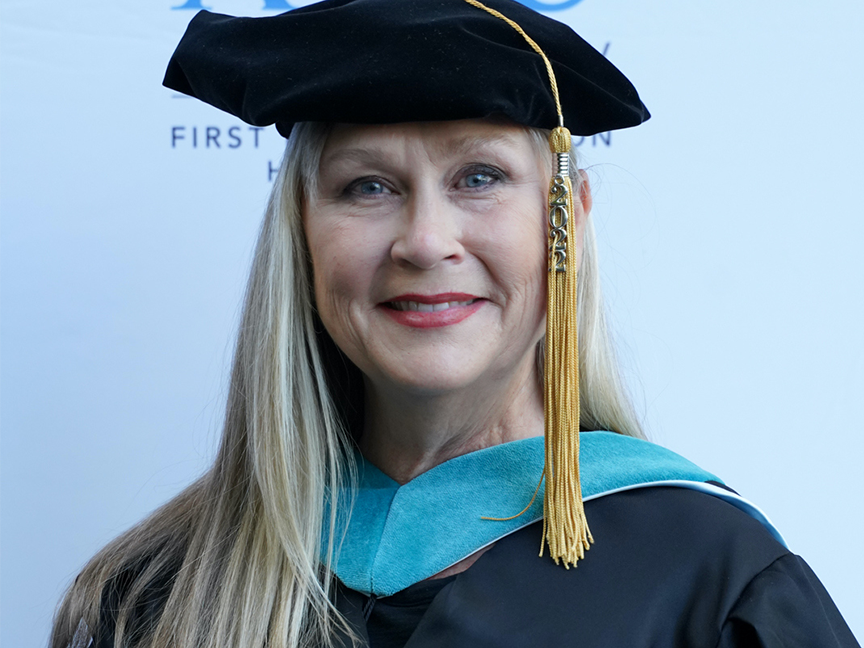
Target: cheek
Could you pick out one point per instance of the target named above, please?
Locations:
(515, 253)
(522, 247)
(334, 264)
(532, 277)
(344, 263)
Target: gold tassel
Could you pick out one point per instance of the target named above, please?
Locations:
(565, 528)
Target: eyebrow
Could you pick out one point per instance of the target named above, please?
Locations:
(455, 146)
(468, 143)
(358, 154)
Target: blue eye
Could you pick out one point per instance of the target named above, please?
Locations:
(480, 176)
(367, 188)
(478, 180)
(370, 188)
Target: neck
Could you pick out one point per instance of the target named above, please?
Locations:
(406, 433)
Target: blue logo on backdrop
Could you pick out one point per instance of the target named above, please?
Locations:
(278, 5)
(539, 5)
(285, 5)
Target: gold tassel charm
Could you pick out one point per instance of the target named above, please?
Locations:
(565, 528)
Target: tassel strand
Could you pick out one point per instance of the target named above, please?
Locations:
(565, 528)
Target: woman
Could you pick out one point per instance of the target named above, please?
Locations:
(411, 286)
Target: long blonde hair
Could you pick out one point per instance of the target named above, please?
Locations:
(235, 559)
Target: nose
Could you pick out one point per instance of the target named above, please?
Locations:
(429, 232)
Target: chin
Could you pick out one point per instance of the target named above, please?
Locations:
(434, 378)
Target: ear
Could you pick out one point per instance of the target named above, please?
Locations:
(581, 209)
(585, 193)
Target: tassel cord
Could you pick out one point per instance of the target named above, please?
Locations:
(565, 528)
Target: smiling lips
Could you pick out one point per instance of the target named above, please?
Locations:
(429, 311)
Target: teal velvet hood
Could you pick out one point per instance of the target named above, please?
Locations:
(395, 536)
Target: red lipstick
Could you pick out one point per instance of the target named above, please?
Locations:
(431, 311)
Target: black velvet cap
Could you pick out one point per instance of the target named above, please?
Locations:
(388, 61)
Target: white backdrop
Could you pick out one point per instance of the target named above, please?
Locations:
(730, 226)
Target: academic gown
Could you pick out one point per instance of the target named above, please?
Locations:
(678, 560)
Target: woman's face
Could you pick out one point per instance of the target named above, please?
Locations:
(428, 244)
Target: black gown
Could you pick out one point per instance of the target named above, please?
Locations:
(675, 568)
(678, 560)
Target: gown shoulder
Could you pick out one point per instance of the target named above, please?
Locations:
(669, 567)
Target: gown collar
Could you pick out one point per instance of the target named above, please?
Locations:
(398, 535)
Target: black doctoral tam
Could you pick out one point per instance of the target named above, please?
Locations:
(389, 61)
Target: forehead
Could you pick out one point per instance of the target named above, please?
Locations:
(366, 142)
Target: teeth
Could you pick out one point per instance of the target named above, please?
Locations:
(427, 308)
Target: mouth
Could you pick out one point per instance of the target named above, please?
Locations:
(429, 311)
(422, 307)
